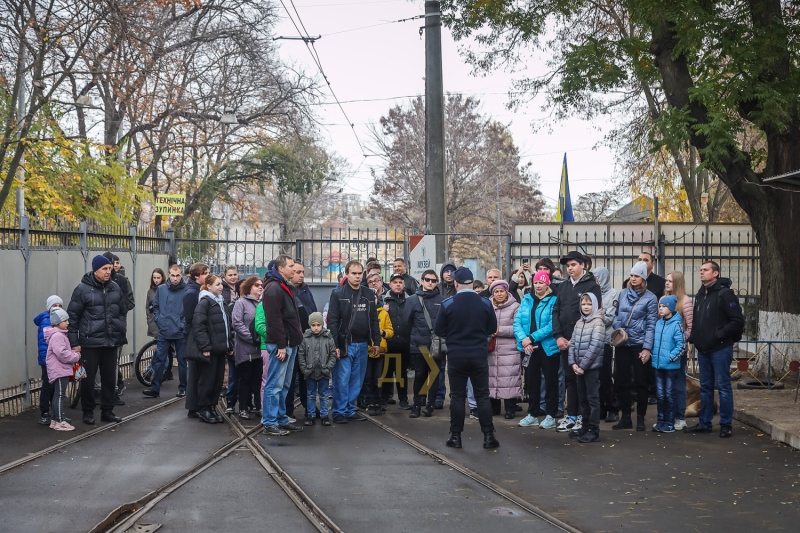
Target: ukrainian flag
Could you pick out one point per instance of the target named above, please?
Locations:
(564, 212)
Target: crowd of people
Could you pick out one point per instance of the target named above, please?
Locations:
(573, 348)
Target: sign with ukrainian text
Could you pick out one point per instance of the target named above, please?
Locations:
(422, 254)
(171, 205)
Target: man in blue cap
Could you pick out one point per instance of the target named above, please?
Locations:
(467, 321)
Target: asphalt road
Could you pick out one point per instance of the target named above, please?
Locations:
(631, 480)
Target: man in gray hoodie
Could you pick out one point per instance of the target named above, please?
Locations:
(608, 406)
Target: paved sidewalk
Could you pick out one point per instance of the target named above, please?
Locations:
(774, 412)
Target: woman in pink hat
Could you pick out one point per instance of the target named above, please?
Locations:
(505, 364)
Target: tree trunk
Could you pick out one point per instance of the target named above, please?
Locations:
(774, 213)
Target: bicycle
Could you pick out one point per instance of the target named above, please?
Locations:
(142, 366)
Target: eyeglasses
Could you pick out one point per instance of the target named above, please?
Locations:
(259, 284)
(429, 280)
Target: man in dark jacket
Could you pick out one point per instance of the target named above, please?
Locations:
(96, 330)
(198, 272)
(420, 338)
(230, 293)
(655, 283)
(305, 307)
(353, 322)
(718, 324)
(284, 335)
(467, 321)
(566, 312)
(168, 313)
(398, 345)
(446, 286)
(411, 284)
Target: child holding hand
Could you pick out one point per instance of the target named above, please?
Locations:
(669, 343)
(60, 360)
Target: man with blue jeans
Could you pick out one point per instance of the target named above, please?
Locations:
(353, 323)
(718, 324)
(284, 335)
(168, 313)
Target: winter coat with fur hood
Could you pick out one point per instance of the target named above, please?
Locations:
(505, 364)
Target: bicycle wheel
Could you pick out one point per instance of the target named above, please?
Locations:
(144, 370)
(74, 393)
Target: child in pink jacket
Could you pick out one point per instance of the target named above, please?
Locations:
(60, 359)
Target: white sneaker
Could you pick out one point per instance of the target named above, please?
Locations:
(680, 424)
(565, 424)
(529, 421)
(578, 424)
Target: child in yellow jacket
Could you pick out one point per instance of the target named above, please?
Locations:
(372, 388)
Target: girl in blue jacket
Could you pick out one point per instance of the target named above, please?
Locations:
(668, 345)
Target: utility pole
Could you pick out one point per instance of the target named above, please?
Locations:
(436, 216)
(21, 104)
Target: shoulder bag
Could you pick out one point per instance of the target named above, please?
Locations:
(620, 336)
(438, 345)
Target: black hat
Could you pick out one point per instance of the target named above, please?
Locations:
(574, 255)
(396, 276)
(463, 276)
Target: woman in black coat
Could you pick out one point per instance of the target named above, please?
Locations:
(213, 333)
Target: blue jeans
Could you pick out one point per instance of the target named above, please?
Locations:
(441, 392)
(232, 392)
(348, 378)
(561, 391)
(715, 368)
(279, 375)
(666, 392)
(314, 388)
(161, 358)
(680, 392)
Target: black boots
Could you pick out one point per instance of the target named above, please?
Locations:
(591, 435)
(428, 411)
(414, 411)
(489, 441)
(640, 423)
(454, 441)
(624, 422)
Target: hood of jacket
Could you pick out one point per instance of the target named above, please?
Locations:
(273, 273)
(122, 271)
(89, 279)
(595, 306)
(505, 304)
(211, 295)
(603, 277)
(38, 319)
(445, 266)
(50, 331)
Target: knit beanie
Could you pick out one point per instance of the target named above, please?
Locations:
(503, 284)
(99, 262)
(640, 269)
(57, 316)
(670, 301)
(315, 317)
(543, 276)
(53, 300)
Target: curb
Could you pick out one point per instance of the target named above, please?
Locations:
(775, 432)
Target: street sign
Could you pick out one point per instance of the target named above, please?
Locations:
(422, 254)
(170, 204)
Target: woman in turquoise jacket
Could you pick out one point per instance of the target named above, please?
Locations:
(533, 328)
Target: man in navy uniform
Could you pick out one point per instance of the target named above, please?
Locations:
(466, 320)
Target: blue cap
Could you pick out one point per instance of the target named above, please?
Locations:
(669, 301)
(463, 276)
(99, 262)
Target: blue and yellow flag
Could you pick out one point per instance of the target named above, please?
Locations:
(564, 212)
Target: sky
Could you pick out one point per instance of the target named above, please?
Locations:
(366, 58)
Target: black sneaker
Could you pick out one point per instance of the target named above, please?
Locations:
(118, 401)
(356, 417)
(244, 415)
(725, 432)
(404, 405)
(150, 393)
(391, 401)
(339, 419)
(292, 428)
(326, 422)
(473, 413)
(45, 420)
(181, 394)
(439, 404)
(276, 431)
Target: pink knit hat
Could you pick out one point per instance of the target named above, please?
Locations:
(542, 276)
(498, 283)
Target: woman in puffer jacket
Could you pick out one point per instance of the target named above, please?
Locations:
(505, 364)
(637, 313)
(214, 337)
(586, 358)
(247, 349)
